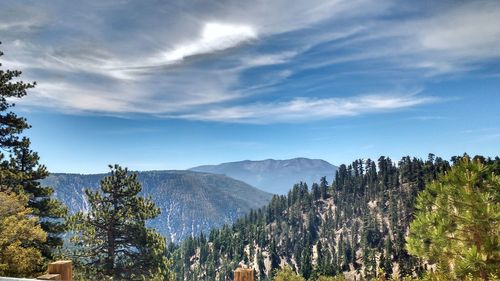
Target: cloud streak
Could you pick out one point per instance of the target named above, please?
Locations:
(214, 37)
(310, 109)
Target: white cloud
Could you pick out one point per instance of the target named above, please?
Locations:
(453, 38)
(309, 109)
(268, 59)
(214, 37)
(130, 97)
(92, 58)
(471, 30)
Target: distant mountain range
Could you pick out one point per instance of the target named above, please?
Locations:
(203, 197)
(190, 202)
(274, 176)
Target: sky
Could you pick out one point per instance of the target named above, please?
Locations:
(156, 85)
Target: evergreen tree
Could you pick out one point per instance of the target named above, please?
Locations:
(457, 221)
(306, 263)
(316, 192)
(386, 259)
(275, 259)
(20, 170)
(321, 260)
(261, 265)
(323, 187)
(49, 209)
(112, 238)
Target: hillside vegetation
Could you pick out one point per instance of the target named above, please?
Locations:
(356, 227)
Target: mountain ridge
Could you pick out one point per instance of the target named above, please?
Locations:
(190, 202)
(272, 175)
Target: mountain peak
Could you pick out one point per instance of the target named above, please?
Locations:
(271, 175)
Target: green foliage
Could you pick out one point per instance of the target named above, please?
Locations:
(20, 170)
(287, 274)
(112, 240)
(41, 200)
(19, 231)
(457, 223)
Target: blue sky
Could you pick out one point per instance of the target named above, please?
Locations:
(175, 84)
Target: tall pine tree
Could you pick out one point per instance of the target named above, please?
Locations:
(20, 170)
(112, 238)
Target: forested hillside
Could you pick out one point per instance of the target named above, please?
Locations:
(357, 226)
(190, 202)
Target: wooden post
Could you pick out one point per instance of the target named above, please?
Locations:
(64, 268)
(243, 274)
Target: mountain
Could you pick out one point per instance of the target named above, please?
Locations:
(356, 228)
(274, 176)
(190, 202)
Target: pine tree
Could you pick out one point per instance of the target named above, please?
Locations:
(306, 263)
(321, 260)
(316, 192)
(112, 238)
(261, 265)
(323, 187)
(457, 221)
(386, 259)
(41, 201)
(20, 170)
(275, 259)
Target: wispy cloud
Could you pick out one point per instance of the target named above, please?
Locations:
(451, 38)
(469, 31)
(31, 20)
(308, 109)
(483, 134)
(130, 98)
(429, 118)
(267, 59)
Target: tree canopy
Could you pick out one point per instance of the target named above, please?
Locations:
(287, 274)
(19, 231)
(457, 221)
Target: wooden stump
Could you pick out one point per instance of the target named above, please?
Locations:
(64, 268)
(243, 274)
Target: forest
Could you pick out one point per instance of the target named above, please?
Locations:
(412, 219)
(362, 226)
